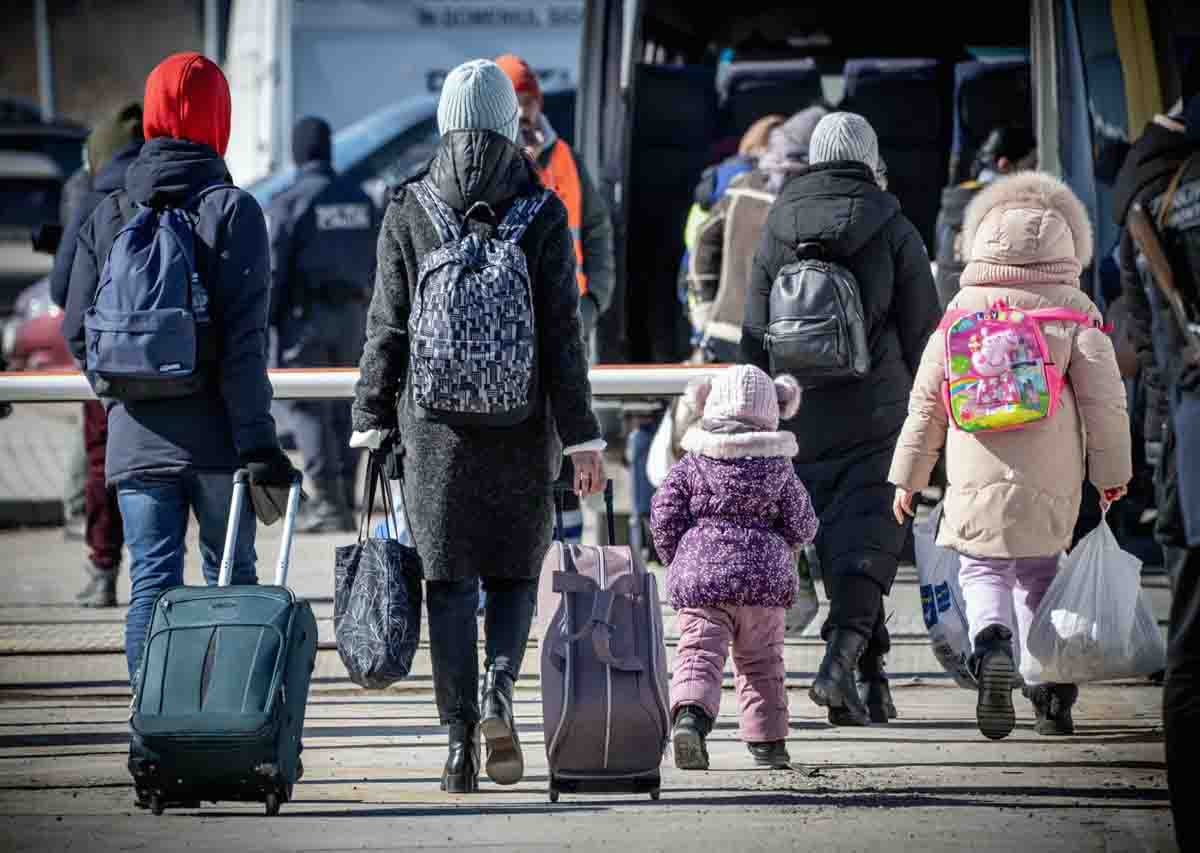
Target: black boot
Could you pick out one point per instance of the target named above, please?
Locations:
(505, 764)
(992, 666)
(461, 775)
(691, 727)
(773, 754)
(326, 510)
(873, 689)
(101, 587)
(1052, 704)
(834, 686)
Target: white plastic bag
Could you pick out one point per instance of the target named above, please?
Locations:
(942, 600)
(1094, 622)
(399, 523)
(659, 459)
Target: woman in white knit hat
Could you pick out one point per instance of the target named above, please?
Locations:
(479, 496)
(846, 433)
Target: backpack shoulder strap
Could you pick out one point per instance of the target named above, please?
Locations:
(445, 221)
(1168, 198)
(519, 217)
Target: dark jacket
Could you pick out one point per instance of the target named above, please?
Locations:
(1153, 161)
(108, 179)
(1147, 171)
(479, 498)
(861, 226)
(231, 418)
(323, 233)
(599, 261)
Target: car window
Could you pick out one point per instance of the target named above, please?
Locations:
(402, 157)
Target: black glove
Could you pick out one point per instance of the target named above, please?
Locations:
(271, 478)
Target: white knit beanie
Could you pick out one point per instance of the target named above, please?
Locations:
(844, 136)
(478, 95)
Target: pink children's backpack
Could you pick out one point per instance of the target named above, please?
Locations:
(999, 371)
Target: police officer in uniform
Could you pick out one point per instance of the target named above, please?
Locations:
(323, 233)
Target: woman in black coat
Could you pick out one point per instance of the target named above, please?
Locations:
(479, 497)
(847, 432)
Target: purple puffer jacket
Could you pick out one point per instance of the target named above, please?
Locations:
(727, 528)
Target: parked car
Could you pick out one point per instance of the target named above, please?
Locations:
(36, 158)
(395, 142)
(32, 337)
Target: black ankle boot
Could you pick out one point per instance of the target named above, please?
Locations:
(505, 763)
(461, 775)
(692, 725)
(992, 666)
(834, 686)
(873, 689)
(773, 754)
(1052, 704)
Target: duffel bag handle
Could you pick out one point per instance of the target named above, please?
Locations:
(599, 624)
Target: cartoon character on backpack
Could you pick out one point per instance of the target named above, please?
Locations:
(999, 373)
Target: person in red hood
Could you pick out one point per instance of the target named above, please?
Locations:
(169, 458)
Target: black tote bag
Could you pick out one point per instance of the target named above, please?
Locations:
(377, 595)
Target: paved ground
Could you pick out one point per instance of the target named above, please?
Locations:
(926, 782)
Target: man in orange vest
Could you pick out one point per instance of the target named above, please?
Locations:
(562, 171)
(588, 219)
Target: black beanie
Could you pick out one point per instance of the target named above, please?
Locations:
(311, 141)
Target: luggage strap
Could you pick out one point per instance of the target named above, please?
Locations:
(599, 624)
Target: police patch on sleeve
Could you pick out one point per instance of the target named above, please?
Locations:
(342, 217)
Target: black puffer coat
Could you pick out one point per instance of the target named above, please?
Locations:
(847, 433)
(479, 497)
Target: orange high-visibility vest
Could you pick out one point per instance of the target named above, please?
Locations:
(562, 175)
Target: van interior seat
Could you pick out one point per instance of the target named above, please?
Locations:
(907, 102)
(987, 95)
(675, 120)
(751, 90)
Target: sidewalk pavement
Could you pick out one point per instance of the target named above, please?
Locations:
(927, 781)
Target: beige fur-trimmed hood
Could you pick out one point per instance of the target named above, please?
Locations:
(1026, 227)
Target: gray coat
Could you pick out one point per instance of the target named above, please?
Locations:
(479, 497)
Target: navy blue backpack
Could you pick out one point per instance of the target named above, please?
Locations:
(148, 330)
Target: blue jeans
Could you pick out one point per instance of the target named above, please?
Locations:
(155, 513)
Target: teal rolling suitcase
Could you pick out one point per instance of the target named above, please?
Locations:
(219, 699)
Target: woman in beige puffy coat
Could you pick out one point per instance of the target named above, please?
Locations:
(1013, 497)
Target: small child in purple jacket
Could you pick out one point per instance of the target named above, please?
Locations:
(727, 521)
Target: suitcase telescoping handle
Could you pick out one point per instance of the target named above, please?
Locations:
(561, 489)
(241, 482)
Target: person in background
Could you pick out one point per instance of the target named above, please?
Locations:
(714, 181)
(323, 232)
(479, 497)
(174, 457)
(719, 272)
(1007, 149)
(562, 170)
(1013, 497)
(112, 146)
(1162, 173)
(847, 432)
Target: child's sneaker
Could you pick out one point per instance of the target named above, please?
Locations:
(992, 665)
(771, 754)
(692, 725)
(1052, 704)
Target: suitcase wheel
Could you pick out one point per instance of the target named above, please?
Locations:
(554, 796)
(273, 804)
(156, 805)
(655, 795)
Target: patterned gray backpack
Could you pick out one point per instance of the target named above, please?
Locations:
(473, 341)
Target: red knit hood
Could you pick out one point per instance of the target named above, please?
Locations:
(187, 97)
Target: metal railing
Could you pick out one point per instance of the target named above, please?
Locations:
(613, 381)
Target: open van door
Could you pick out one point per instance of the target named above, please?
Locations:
(601, 134)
